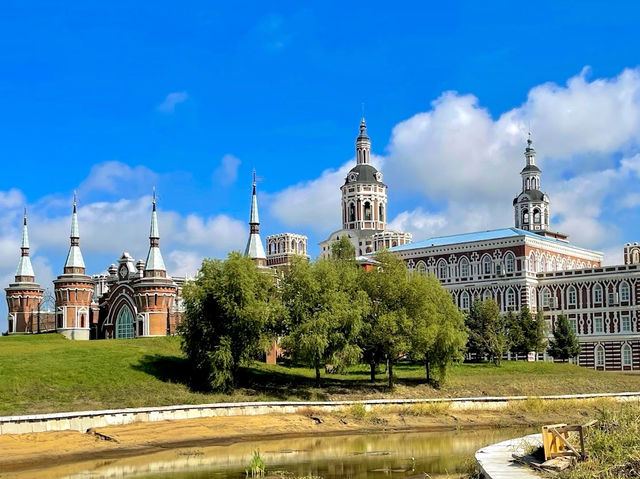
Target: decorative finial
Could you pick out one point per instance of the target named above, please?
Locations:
(75, 200)
(153, 198)
(254, 177)
(25, 215)
(363, 112)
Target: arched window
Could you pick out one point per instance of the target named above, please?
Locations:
(624, 291)
(422, 268)
(528, 186)
(442, 269)
(572, 297)
(464, 268)
(597, 294)
(352, 212)
(599, 356)
(82, 321)
(532, 263)
(511, 299)
(487, 295)
(554, 265)
(536, 216)
(509, 262)
(542, 263)
(635, 256)
(381, 213)
(124, 323)
(464, 300)
(546, 298)
(486, 264)
(525, 217)
(367, 211)
(625, 352)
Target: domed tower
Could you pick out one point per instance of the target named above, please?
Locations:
(155, 293)
(255, 249)
(531, 205)
(364, 196)
(24, 295)
(74, 289)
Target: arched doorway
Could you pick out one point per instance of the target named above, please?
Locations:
(124, 323)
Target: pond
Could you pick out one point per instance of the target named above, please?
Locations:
(397, 455)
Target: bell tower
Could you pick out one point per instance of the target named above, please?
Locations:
(531, 206)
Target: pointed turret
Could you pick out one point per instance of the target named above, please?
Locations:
(75, 261)
(363, 145)
(154, 265)
(254, 249)
(531, 205)
(24, 273)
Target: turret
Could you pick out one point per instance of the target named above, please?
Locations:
(255, 249)
(531, 206)
(154, 266)
(24, 296)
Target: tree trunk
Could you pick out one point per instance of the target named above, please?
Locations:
(390, 372)
(372, 365)
(428, 369)
(317, 375)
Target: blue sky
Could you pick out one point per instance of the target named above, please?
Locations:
(190, 96)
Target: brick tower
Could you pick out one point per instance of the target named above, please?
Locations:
(74, 289)
(154, 292)
(24, 295)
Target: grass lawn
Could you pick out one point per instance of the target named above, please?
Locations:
(48, 373)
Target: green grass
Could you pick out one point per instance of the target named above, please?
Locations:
(48, 373)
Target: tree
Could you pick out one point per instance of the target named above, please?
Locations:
(230, 311)
(521, 331)
(343, 249)
(325, 311)
(539, 339)
(438, 335)
(487, 330)
(564, 344)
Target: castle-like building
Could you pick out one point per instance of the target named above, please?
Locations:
(531, 265)
(364, 206)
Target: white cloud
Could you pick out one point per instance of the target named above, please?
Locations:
(171, 100)
(227, 173)
(115, 177)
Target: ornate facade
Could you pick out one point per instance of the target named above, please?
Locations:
(533, 266)
(364, 206)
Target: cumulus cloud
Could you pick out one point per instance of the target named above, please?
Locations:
(115, 177)
(171, 100)
(227, 173)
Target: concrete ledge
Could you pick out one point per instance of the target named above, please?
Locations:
(495, 462)
(83, 420)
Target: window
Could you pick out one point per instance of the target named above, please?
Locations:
(464, 268)
(571, 296)
(124, 323)
(626, 355)
(542, 267)
(352, 212)
(464, 300)
(509, 263)
(597, 325)
(636, 256)
(536, 216)
(422, 268)
(487, 295)
(525, 217)
(511, 299)
(599, 356)
(546, 298)
(625, 322)
(367, 211)
(486, 265)
(442, 269)
(624, 291)
(381, 213)
(574, 324)
(597, 294)
(532, 263)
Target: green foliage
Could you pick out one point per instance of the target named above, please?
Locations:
(539, 341)
(230, 313)
(487, 330)
(343, 249)
(564, 344)
(257, 466)
(325, 313)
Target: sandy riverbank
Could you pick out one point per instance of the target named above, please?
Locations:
(23, 453)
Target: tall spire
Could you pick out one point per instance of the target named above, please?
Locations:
(75, 262)
(254, 249)
(24, 273)
(530, 152)
(155, 264)
(363, 144)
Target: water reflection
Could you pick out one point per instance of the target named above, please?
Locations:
(397, 455)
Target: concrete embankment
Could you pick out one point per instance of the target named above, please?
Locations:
(84, 420)
(495, 461)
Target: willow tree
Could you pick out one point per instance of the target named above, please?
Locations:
(325, 309)
(230, 309)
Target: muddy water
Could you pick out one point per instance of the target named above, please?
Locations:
(396, 455)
